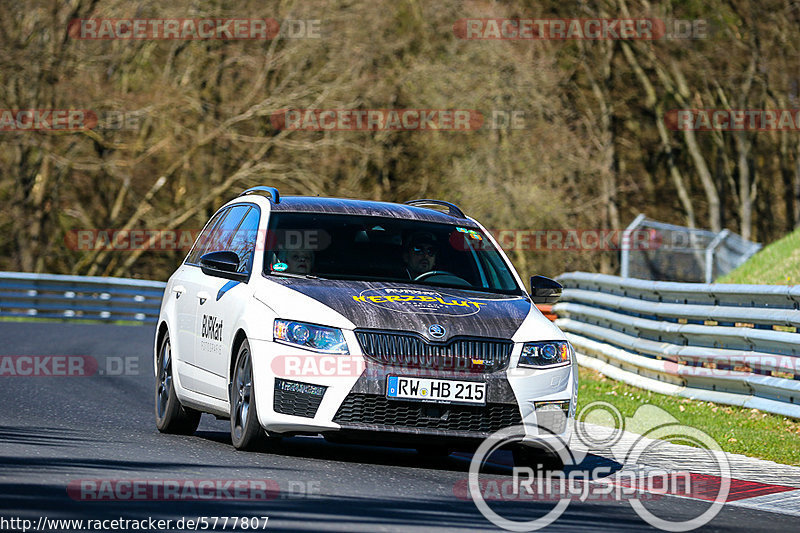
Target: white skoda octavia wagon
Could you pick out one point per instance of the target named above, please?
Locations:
(400, 324)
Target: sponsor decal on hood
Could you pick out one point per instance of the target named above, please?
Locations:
(416, 301)
(400, 307)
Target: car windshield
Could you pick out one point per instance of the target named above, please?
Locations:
(369, 248)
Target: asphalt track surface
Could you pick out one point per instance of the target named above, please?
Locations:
(58, 430)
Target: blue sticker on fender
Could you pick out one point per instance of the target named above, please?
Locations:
(225, 288)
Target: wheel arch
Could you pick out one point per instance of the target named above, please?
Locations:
(238, 339)
(161, 332)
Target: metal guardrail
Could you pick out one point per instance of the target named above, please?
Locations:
(731, 344)
(24, 295)
(90, 298)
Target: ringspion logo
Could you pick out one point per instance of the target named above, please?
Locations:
(545, 486)
(592, 481)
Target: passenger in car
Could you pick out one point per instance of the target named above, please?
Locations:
(300, 261)
(292, 261)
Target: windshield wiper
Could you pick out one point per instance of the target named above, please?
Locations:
(293, 275)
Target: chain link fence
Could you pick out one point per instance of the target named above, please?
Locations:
(678, 253)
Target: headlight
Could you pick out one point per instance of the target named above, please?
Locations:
(309, 336)
(545, 354)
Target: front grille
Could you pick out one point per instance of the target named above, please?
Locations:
(412, 351)
(296, 398)
(379, 413)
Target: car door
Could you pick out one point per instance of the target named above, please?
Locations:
(222, 301)
(186, 284)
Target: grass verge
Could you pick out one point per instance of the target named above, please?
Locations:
(737, 430)
(776, 264)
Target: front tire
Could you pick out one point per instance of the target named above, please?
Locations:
(171, 416)
(246, 431)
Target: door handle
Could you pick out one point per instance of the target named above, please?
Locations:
(178, 290)
(203, 296)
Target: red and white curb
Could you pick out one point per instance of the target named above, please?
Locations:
(754, 483)
(783, 499)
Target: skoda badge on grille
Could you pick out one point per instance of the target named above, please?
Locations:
(437, 331)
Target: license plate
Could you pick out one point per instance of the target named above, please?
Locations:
(436, 390)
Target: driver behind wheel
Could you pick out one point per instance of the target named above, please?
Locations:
(419, 253)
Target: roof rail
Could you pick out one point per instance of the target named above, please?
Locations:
(452, 209)
(261, 189)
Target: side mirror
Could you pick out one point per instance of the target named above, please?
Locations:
(545, 290)
(223, 264)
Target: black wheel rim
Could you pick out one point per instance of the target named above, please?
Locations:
(243, 385)
(164, 379)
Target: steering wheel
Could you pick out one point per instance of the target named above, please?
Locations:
(426, 275)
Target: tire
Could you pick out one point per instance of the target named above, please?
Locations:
(171, 416)
(246, 431)
(537, 459)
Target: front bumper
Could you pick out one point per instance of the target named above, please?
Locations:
(352, 404)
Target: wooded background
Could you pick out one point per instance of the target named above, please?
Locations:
(595, 151)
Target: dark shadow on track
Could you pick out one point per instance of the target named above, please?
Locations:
(40, 436)
(317, 512)
(318, 448)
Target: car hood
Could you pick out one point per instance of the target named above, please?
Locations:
(415, 308)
